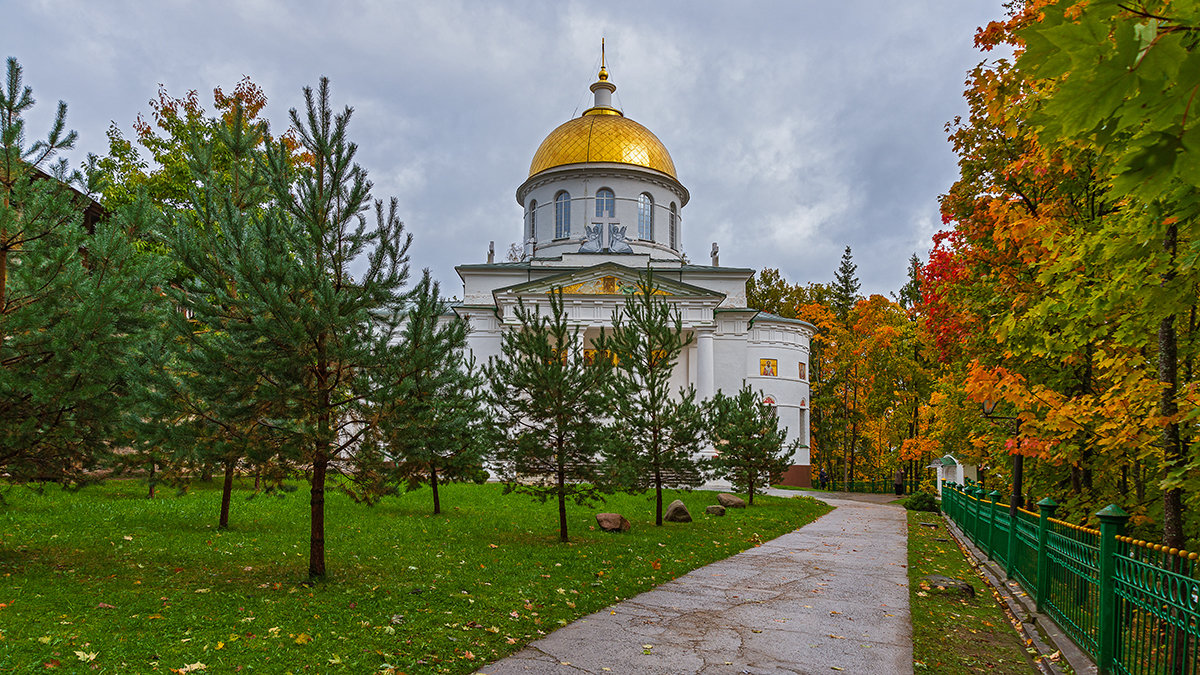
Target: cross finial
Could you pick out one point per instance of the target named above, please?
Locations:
(603, 62)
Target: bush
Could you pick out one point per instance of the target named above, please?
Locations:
(921, 501)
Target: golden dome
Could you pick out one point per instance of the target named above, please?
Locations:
(602, 135)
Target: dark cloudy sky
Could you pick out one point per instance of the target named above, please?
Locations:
(799, 127)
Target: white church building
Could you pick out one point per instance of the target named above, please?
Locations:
(601, 203)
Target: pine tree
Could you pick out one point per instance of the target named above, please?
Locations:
(433, 431)
(311, 338)
(210, 415)
(549, 406)
(750, 446)
(74, 306)
(845, 286)
(660, 431)
(910, 293)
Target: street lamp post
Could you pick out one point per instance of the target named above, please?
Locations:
(1018, 497)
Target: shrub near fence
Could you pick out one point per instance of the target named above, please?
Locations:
(1133, 606)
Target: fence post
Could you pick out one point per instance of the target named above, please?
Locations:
(972, 513)
(1045, 513)
(978, 491)
(993, 497)
(1112, 525)
(986, 504)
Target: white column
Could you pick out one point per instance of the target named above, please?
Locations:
(704, 365)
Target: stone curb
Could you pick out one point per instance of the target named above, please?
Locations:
(1047, 637)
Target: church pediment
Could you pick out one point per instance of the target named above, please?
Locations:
(606, 279)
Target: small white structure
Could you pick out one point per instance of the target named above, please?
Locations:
(602, 203)
(951, 470)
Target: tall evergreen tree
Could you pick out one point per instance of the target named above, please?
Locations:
(750, 446)
(845, 286)
(550, 406)
(660, 431)
(312, 337)
(74, 306)
(910, 292)
(433, 431)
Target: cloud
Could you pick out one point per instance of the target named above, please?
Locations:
(799, 128)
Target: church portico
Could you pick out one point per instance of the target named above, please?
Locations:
(602, 205)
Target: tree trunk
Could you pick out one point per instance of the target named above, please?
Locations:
(562, 496)
(1139, 486)
(226, 494)
(853, 444)
(1172, 449)
(1168, 375)
(658, 496)
(316, 541)
(854, 428)
(151, 491)
(433, 483)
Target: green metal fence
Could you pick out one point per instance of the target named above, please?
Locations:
(1133, 606)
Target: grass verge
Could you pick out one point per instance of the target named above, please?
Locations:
(952, 634)
(105, 580)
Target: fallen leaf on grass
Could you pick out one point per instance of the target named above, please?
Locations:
(87, 657)
(192, 667)
(105, 605)
(45, 639)
(303, 639)
(51, 664)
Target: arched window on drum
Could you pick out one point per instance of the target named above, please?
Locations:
(673, 227)
(562, 215)
(606, 203)
(645, 217)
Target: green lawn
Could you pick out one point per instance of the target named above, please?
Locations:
(952, 635)
(104, 580)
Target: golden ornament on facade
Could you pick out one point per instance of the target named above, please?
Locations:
(602, 135)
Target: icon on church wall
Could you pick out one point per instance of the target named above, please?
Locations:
(769, 400)
(609, 285)
(768, 367)
(590, 355)
(803, 370)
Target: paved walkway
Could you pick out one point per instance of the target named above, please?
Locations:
(831, 596)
